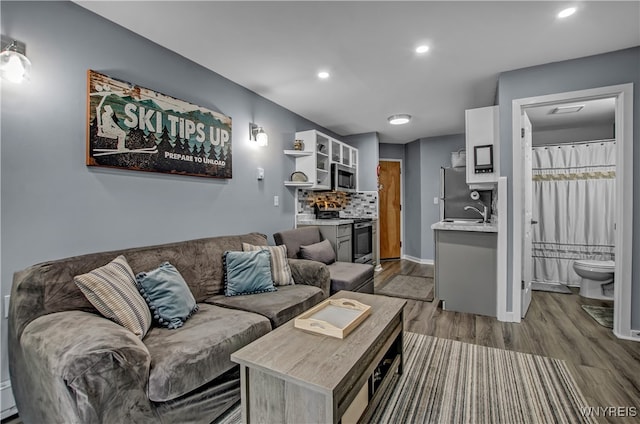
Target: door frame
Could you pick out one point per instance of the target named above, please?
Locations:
(623, 94)
(401, 205)
(527, 211)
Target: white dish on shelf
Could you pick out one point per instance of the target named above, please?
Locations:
(299, 177)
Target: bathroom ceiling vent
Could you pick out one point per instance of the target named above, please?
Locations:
(567, 109)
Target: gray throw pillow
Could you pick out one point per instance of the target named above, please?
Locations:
(168, 295)
(321, 252)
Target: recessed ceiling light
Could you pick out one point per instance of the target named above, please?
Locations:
(323, 74)
(567, 12)
(400, 119)
(422, 49)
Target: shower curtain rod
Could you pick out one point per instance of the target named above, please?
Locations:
(604, 140)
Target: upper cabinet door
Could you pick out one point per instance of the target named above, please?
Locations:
(346, 155)
(336, 151)
(482, 143)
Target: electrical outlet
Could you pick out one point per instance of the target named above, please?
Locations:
(276, 201)
(436, 200)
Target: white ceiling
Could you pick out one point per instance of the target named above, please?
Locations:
(276, 49)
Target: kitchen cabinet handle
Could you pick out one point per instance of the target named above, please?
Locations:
(533, 222)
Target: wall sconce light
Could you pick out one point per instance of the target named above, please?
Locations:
(258, 135)
(14, 65)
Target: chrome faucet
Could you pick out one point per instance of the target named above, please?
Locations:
(484, 213)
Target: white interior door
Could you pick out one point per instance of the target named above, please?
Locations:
(527, 214)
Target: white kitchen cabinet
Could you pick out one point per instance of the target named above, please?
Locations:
(320, 151)
(346, 155)
(315, 162)
(482, 131)
(343, 154)
(336, 151)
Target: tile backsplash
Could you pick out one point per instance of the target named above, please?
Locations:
(362, 204)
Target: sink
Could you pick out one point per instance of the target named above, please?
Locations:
(462, 221)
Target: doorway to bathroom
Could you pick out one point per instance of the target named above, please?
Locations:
(573, 195)
(524, 221)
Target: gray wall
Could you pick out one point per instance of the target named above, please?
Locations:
(569, 135)
(367, 145)
(53, 206)
(391, 151)
(607, 69)
(435, 153)
(412, 240)
(423, 160)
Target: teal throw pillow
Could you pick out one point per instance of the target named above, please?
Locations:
(168, 295)
(247, 272)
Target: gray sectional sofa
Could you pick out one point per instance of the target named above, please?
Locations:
(69, 364)
(344, 275)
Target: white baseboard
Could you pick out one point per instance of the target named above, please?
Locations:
(507, 317)
(418, 260)
(630, 336)
(7, 401)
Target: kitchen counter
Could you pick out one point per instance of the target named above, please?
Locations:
(466, 266)
(489, 227)
(340, 221)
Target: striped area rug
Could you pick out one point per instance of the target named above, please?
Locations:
(446, 381)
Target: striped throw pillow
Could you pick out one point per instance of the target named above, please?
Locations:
(280, 270)
(113, 291)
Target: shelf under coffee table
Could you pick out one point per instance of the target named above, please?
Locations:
(291, 375)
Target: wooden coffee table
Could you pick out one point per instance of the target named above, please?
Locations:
(294, 376)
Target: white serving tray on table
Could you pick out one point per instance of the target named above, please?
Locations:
(333, 317)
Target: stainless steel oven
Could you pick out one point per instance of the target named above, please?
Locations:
(362, 236)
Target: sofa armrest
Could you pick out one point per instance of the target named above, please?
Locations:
(76, 366)
(311, 273)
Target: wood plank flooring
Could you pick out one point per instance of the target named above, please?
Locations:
(606, 369)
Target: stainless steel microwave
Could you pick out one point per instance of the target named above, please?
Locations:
(343, 178)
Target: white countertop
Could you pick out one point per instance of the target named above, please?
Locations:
(489, 227)
(340, 221)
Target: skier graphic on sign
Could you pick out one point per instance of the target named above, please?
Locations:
(108, 126)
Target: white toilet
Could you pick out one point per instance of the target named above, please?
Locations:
(597, 278)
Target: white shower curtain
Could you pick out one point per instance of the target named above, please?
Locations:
(574, 203)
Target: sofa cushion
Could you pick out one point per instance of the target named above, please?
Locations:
(293, 239)
(280, 270)
(247, 272)
(349, 276)
(288, 302)
(183, 360)
(320, 252)
(112, 290)
(167, 294)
